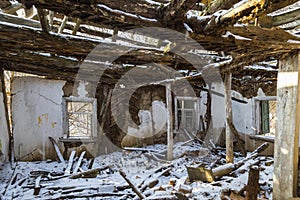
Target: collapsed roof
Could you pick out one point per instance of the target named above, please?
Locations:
(55, 38)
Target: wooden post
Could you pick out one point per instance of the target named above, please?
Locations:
(115, 34)
(169, 122)
(287, 129)
(253, 184)
(76, 27)
(43, 20)
(5, 102)
(228, 106)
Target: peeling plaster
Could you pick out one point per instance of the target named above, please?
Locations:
(37, 114)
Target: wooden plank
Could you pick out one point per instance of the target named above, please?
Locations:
(13, 8)
(90, 173)
(70, 163)
(57, 150)
(63, 24)
(228, 105)
(277, 20)
(287, 129)
(169, 122)
(140, 195)
(78, 162)
(200, 173)
(235, 12)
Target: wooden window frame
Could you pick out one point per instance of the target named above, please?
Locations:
(256, 112)
(197, 99)
(93, 101)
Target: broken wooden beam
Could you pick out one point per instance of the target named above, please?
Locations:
(89, 174)
(207, 174)
(140, 195)
(154, 178)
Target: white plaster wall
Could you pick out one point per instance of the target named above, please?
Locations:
(241, 112)
(4, 139)
(217, 106)
(152, 121)
(37, 114)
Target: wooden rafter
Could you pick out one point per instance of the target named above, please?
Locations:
(13, 8)
(220, 5)
(276, 20)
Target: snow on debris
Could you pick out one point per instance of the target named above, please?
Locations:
(125, 13)
(156, 3)
(260, 67)
(228, 34)
(197, 14)
(146, 168)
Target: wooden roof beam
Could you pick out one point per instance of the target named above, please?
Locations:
(220, 5)
(132, 12)
(13, 8)
(251, 9)
(277, 20)
(12, 19)
(174, 13)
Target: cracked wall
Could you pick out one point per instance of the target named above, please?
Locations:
(37, 114)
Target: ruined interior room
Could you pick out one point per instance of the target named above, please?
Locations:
(149, 99)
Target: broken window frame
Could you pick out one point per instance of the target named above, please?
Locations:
(196, 110)
(257, 114)
(93, 115)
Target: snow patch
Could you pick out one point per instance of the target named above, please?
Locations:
(228, 34)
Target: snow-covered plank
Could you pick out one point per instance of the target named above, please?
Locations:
(70, 163)
(78, 162)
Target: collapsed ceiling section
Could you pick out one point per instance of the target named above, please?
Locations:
(56, 38)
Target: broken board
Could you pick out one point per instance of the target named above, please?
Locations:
(200, 174)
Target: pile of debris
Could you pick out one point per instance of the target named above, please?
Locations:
(143, 173)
